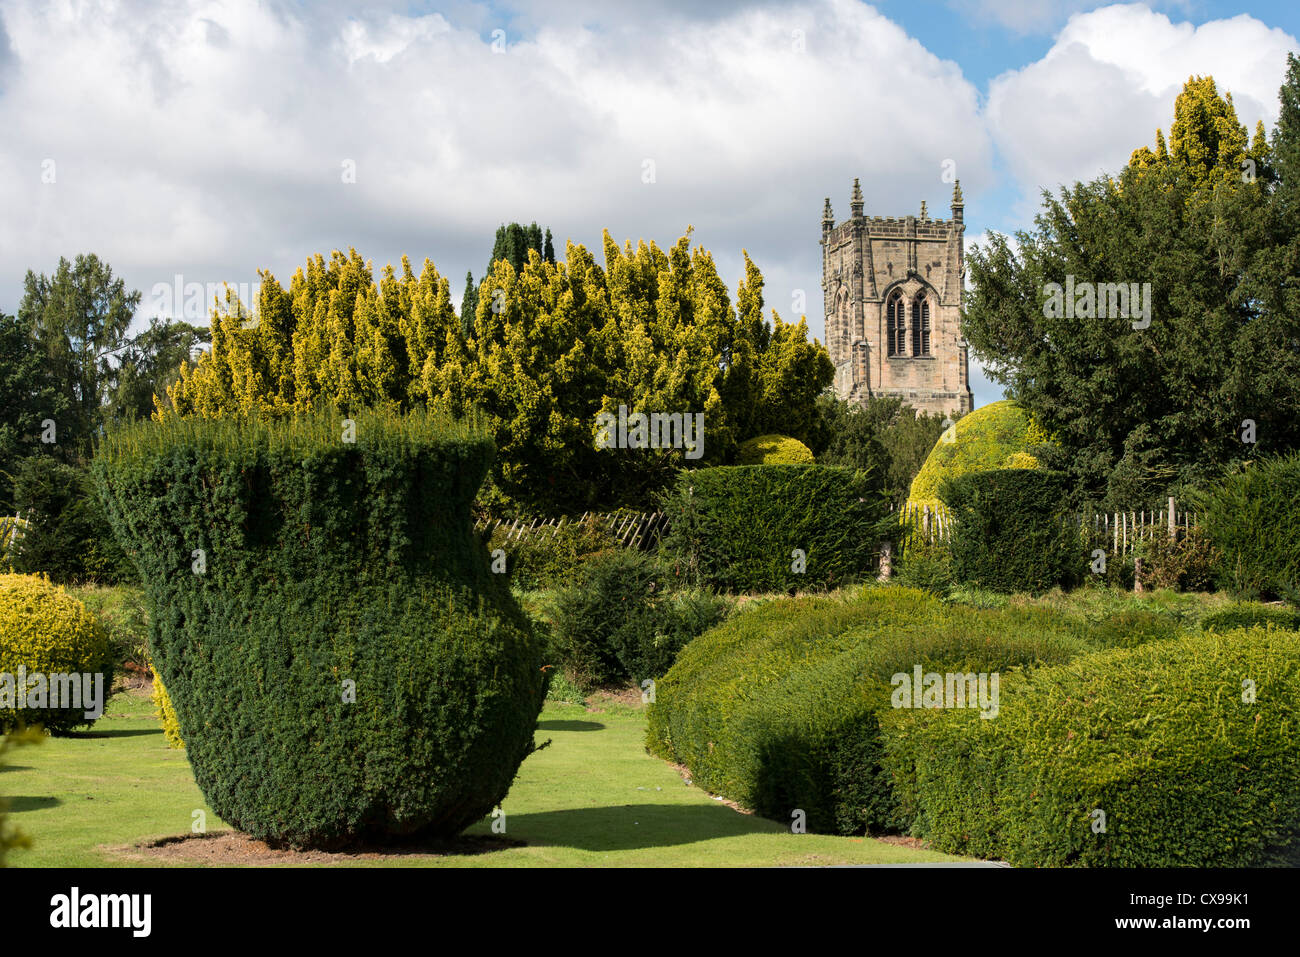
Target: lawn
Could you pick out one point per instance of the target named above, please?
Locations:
(592, 798)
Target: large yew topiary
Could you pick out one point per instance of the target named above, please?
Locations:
(343, 664)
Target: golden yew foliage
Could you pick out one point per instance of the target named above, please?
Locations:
(1206, 141)
(551, 347)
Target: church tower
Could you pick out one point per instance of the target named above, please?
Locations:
(892, 290)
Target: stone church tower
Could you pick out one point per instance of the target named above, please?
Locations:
(892, 289)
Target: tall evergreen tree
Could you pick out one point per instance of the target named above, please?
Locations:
(80, 316)
(1142, 410)
(468, 306)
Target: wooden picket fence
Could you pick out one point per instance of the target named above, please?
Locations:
(1122, 531)
(629, 529)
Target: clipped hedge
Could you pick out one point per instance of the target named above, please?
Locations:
(47, 632)
(343, 664)
(1247, 613)
(1161, 738)
(1253, 519)
(738, 527)
(626, 620)
(996, 436)
(781, 708)
(1012, 532)
(773, 450)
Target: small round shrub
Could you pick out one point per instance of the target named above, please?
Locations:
(773, 450)
(47, 632)
(1185, 562)
(996, 436)
(626, 619)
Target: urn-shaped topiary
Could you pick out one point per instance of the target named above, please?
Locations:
(342, 662)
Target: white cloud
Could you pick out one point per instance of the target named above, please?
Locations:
(1110, 79)
(207, 137)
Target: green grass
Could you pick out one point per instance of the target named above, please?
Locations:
(592, 798)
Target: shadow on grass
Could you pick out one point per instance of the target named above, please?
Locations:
(634, 826)
(123, 733)
(570, 726)
(13, 767)
(16, 805)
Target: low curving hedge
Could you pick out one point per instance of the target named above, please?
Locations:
(782, 707)
(1188, 766)
(1247, 613)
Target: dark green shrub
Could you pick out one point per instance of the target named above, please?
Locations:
(1253, 519)
(1185, 562)
(738, 527)
(1188, 768)
(1012, 532)
(1248, 613)
(626, 619)
(67, 536)
(343, 663)
(552, 557)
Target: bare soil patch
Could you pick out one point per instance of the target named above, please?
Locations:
(231, 848)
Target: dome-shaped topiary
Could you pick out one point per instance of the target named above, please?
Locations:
(343, 664)
(773, 450)
(51, 643)
(996, 436)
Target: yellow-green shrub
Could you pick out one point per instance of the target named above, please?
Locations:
(44, 629)
(166, 714)
(773, 450)
(999, 435)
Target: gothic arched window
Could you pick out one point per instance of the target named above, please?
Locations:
(896, 325)
(921, 326)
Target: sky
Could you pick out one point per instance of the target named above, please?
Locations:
(208, 139)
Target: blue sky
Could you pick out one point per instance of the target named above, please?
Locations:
(209, 139)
